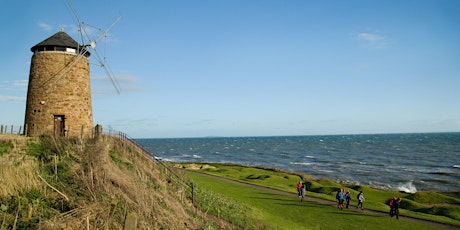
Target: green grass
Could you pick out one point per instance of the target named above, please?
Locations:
(273, 211)
(118, 161)
(437, 207)
(5, 147)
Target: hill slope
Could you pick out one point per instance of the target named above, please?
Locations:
(48, 183)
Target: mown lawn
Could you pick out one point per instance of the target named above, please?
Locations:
(437, 207)
(273, 211)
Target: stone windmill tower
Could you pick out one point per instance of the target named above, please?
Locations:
(59, 94)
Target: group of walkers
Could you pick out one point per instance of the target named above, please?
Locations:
(394, 207)
(341, 196)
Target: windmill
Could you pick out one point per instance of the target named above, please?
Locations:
(59, 92)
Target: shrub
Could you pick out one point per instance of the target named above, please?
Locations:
(449, 211)
(432, 198)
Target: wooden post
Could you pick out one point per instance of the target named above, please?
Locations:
(25, 129)
(55, 167)
(20, 129)
(1, 130)
(11, 129)
(98, 132)
(193, 193)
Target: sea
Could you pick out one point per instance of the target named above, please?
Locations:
(403, 162)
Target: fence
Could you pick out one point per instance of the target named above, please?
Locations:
(5, 129)
(18, 129)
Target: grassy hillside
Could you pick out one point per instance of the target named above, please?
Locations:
(48, 183)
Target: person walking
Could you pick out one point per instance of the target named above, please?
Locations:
(303, 192)
(391, 206)
(360, 200)
(340, 196)
(347, 199)
(395, 207)
(299, 187)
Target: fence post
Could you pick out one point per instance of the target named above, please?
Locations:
(98, 132)
(193, 193)
(11, 129)
(1, 130)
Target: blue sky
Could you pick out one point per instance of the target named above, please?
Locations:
(253, 68)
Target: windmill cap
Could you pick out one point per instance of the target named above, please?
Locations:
(59, 39)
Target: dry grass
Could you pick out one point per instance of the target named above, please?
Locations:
(17, 170)
(91, 185)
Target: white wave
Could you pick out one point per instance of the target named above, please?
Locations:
(158, 158)
(380, 185)
(407, 187)
(301, 163)
(170, 159)
(456, 166)
(196, 156)
(308, 156)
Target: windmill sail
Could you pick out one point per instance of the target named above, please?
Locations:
(89, 43)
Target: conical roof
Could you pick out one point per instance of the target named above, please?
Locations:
(60, 39)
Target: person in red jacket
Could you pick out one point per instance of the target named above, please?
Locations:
(299, 187)
(391, 206)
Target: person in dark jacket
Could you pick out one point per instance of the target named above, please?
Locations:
(347, 199)
(395, 207)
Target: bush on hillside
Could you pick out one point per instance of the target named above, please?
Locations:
(432, 198)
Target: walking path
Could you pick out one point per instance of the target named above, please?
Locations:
(327, 202)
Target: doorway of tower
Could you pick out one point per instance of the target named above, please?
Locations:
(59, 126)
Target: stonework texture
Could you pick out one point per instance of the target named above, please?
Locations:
(59, 86)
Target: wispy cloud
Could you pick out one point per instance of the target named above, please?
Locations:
(102, 83)
(12, 98)
(45, 26)
(17, 87)
(372, 39)
(22, 84)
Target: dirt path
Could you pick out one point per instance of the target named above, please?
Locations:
(327, 202)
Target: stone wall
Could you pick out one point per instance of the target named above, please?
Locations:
(59, 84)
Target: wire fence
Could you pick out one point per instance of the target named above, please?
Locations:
(11, 129)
